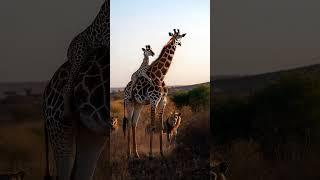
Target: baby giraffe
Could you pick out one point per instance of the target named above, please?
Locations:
(142, 71)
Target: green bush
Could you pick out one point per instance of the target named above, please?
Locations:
(198, 98)
(289, 107)
(286, 110)
(181, 98)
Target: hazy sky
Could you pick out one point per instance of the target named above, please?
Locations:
(137, 23)
(254, 36)
(35, 34)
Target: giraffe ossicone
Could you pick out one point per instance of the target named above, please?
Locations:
(155, 94)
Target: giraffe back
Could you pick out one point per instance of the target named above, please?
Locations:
(91, 92)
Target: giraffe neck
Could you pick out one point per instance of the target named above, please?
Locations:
(97, 34)
(159, 67)
(145, 61)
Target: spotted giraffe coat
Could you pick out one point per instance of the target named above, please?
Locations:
(142, 71)
(95, 36)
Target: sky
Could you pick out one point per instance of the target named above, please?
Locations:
(257, 36)
(248, 36)
(35, 35)
(135, 24)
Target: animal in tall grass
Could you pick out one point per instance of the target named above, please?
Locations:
(114, 123)
(170, 128)
(218, 172)
(144, 93)
(13, 176)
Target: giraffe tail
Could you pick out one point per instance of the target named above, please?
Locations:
(125, 120)
(47, 172)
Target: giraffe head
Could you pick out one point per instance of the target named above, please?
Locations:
(147, 51)
(176, 36)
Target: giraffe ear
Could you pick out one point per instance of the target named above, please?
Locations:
(183, 34)
(143, 49)
(170, 34)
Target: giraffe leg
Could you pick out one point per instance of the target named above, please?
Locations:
(135, 118)
(154, 105)
(129, 114)
(128, 145)
(162, 105)
(63, 144)
(89, 147)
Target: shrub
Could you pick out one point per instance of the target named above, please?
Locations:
(181, 98)
(199, 98)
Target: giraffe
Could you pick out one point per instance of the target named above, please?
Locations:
(142, 71)
(78, 139)
(96, 35)
(82, 137)
(144, 93)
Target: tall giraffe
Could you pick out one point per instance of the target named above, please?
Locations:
(96, 35)
(90, 125)
(143, 93)
(77, 140)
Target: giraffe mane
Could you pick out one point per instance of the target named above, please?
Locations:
(162, 52)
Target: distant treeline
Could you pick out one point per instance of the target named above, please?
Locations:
(285, 110)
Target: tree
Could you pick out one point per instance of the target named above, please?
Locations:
(180, 98)
(289, 107)
(199, 98)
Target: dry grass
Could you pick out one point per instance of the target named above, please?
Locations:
(22, 147)
(247, 160)
(183, 161)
